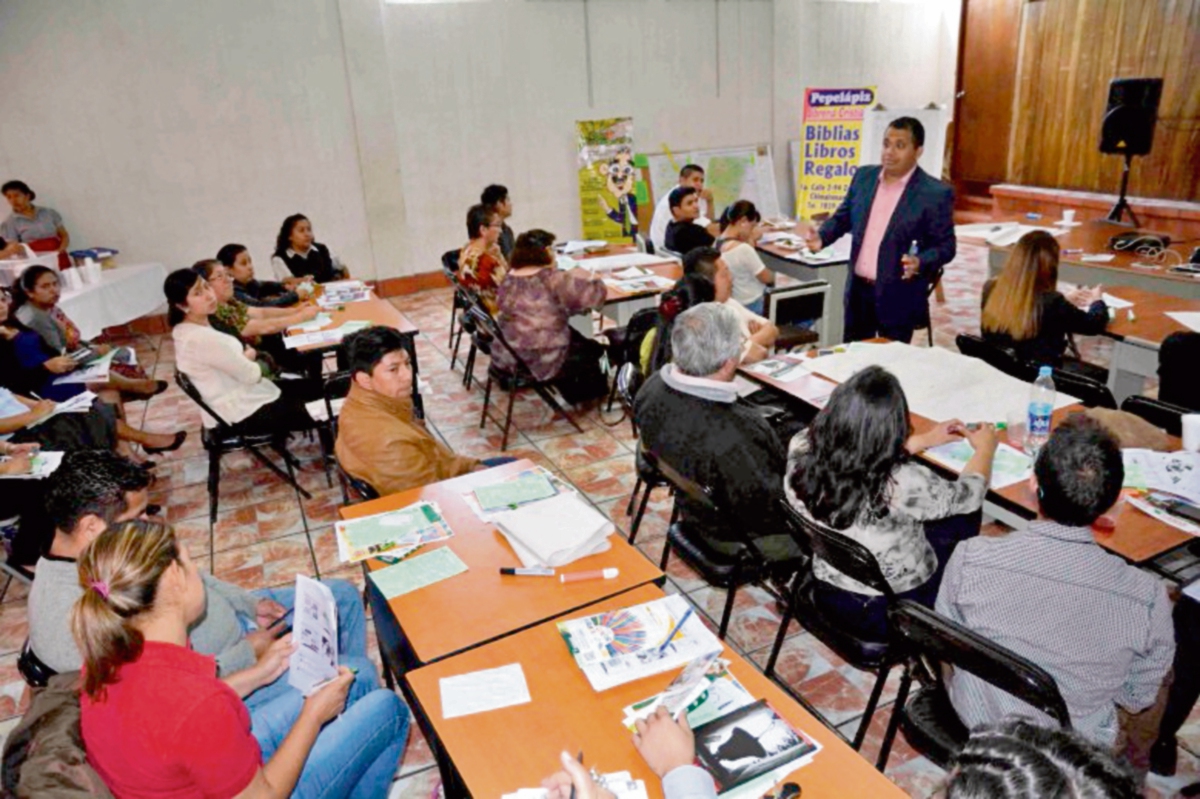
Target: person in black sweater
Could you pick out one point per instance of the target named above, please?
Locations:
(683, 234)
(1177, 359)
(253, 292)
(1024, 310)
(690, 416)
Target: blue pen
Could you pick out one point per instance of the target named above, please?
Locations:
(913, 249)
(675, 630)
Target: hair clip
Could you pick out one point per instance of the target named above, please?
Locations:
(100, 587)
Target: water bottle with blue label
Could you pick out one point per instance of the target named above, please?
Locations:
(1041, 406)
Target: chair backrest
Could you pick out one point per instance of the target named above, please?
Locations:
(450, 263)
(791, 305)
(484, 323)
(636, 330)
(35, 673)
(334, 387)
(940, 640)
(1001, 358)
(1177, 359)
(189, 388)
(840, 551)
(699, 495)
(1158, 413)
(362, 488)
(1089, 392)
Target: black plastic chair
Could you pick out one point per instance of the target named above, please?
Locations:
(933, 284)
(35, 673)
(855, 561)
(225, 438)
(930, 722)
(1090, 393)
(625, 348)
(521, 377)
(450, 270)
(354, 489)
(1158, 413)
(729, 570)
(1001, 358)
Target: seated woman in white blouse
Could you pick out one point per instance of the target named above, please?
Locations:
(224, 370)
(740, 231)
(852, 470)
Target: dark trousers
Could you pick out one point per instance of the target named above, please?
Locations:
(581, 378)
(287, 413)
(862, 315)
(866, 616)
(1185, 690)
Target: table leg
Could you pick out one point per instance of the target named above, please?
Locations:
(1132, 362)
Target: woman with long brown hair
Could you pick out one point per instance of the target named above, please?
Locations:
(157, 722)
(1024, 310)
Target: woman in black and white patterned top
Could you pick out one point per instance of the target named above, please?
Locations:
(852, 471)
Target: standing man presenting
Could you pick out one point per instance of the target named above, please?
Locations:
(902, 221)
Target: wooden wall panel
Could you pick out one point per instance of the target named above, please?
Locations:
(1070, 50)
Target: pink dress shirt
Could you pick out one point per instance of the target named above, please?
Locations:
(887, 197)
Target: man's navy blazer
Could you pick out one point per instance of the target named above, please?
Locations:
(925, 214)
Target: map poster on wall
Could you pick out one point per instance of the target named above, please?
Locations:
(607, 179)
(830, 145)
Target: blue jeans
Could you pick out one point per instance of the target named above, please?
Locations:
(756, 306)
(274, 708)
(357, 754)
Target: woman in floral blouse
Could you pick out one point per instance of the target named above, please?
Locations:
(852, 471)
(481, 265)
(536, 300)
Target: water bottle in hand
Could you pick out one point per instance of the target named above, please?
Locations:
(1041, 406)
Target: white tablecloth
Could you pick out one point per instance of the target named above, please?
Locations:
(122, 295)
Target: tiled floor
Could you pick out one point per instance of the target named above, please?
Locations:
(264, 535)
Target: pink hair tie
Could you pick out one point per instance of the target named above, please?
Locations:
(100, 587)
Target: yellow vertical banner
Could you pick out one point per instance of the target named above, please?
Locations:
(830, 146)
(608, 199)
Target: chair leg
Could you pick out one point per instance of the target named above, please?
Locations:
(633, 496)
(781, 636)
(453, 317)
(931, 333)
(288, 476)
(666, 555)
(885, 748)
(512, 400)
(469, 367)
(730, 596)
(487, 396)
(214, 483)
(872, 703)
(641, 511)
(325, 436)
(612, 395)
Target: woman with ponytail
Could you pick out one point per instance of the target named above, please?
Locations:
(688, 292)
(740, 232)
(157, 722)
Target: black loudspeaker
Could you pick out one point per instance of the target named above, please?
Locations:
(1128, 127)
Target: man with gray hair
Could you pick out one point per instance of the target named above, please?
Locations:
(690, 416)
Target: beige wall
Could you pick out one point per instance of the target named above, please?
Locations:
(166, 128)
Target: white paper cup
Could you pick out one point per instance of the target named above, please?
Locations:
(1191, 432)
(70, 279)
(91, 273)
(1068, 216)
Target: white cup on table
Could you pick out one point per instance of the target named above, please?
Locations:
(1191, 432)
(1069, 216)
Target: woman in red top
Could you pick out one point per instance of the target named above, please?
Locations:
(481, 265)
(157, 722)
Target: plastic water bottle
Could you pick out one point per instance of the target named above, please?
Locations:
(1041, 406)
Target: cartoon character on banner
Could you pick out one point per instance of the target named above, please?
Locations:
(621, 178)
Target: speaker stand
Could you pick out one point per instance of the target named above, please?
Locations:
(1122, 204)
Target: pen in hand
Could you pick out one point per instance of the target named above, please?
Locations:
(580, 758)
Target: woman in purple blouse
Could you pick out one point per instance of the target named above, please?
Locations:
(535, 301)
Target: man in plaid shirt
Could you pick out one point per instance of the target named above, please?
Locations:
(1100, 627)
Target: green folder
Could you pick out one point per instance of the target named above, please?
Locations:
(514, 493)
(417, 572)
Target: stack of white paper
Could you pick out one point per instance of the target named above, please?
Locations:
(555, 531)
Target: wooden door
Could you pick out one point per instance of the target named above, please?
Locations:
(989, 39)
